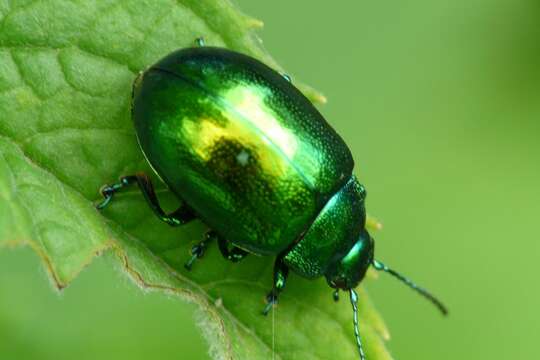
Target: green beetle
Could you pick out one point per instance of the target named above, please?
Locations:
(251, 157)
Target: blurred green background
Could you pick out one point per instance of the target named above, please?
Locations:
(439, 102)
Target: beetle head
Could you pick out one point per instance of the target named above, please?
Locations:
(345, 272)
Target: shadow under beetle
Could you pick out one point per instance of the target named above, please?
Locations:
(251, 157)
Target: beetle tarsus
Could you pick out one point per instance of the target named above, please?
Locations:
(103, 204)
(198, 250)
(189, 265)
(281, 271)
(107, 192)
(271, 300)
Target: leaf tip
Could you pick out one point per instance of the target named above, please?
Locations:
(385, 334)
(319, 98)
(254, 23)
(59, 286)
(374, 224)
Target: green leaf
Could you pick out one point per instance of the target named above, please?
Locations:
(66, 69)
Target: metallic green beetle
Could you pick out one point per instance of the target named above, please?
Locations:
(251, 157)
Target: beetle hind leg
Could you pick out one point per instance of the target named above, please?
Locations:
(178, 217)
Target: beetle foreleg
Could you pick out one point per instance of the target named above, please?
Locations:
(178, 217)
(281, 271)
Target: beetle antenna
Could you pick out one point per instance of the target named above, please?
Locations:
(381, 267)
(354, 302)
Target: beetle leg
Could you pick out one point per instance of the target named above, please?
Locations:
(198, 250)
(335, 295)
(235, 254)
(281, 271)
(178, 217)
(200, 41)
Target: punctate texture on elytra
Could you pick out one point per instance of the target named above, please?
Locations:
(245, 149)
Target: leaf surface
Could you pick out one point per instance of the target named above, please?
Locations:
(66, 69)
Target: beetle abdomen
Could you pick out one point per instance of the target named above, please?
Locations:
(236, 141)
